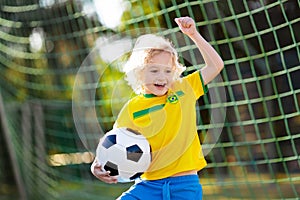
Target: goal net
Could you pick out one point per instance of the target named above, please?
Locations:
(61, 88)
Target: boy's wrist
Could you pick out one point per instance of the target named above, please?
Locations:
(195, 36)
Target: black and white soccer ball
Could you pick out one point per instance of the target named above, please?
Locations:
(125, 153)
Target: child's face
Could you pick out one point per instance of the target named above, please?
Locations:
(157, 75)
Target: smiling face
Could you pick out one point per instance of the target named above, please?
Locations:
(158, 74)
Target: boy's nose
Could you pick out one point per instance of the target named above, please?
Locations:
(161, 76)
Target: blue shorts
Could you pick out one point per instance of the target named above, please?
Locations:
(173, 188)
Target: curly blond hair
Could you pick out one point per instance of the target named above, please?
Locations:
(144, 49)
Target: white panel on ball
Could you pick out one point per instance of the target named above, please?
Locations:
(124, 153)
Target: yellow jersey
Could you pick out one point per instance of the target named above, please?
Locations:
(169, 124)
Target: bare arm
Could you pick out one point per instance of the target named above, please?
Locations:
(213, 62)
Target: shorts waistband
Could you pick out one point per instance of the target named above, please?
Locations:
(176, 179)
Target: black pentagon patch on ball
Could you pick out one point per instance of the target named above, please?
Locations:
(113, 168)
(136, 176)
(134, 153)
(109, 141)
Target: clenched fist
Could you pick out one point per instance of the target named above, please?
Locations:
(186, 25)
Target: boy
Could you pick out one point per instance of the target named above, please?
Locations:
(164, 112)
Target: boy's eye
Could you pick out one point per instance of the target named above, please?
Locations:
(154, 71)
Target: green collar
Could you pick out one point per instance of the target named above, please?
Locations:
(149, 95)
(179, 93)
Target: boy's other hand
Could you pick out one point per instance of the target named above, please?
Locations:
(104, 176)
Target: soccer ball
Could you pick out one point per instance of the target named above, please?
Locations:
(125, 153)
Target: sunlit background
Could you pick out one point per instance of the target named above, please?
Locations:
(43, 43)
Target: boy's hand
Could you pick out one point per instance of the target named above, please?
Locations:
(102, 175)
(187, 25)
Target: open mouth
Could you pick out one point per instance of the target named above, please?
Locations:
(160, 85)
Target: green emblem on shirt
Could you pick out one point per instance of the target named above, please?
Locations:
(172, 98)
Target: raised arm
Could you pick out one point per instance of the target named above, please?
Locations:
(213, 62)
